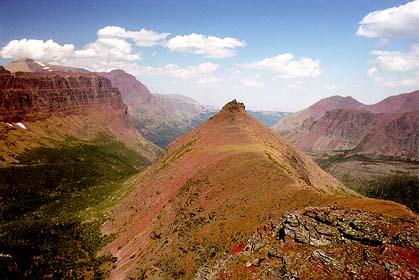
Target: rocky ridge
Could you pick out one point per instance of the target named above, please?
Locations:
(324, 243)
(209, 191)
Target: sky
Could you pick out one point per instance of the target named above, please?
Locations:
(272, 55)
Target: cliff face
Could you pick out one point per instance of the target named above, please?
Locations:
(24, 94)
(44, 108)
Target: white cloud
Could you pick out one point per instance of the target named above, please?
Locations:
(251, 82)
(397, 61)
(287, 67)
(115, 48)
(296, 85)
(142, 38)
(210, 46)
(190, 72)
(36, 49)
(396, 22)
(113, 44)
(210, 81)
(374, 73)
(410, 82)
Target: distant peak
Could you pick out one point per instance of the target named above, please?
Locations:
(24, 59)
(234, 106)
(118, 71)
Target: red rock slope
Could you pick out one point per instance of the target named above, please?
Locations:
(386, 129)
(209, 191)
(44, 108)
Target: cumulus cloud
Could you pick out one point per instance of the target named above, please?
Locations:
(396, 22)
(287, 67)
(397, 61)
(116, 47)
(410, 80)
(36, 49)
(142, 38)
(395, 68)
(190, 72)
(209, 46)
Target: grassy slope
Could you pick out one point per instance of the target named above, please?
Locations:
(51, 205)
(384, 178)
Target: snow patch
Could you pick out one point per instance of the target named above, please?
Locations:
(40, 63)
(21, 125)
(9, 124)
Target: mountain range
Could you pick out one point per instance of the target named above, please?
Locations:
(231, 199)
(388, 128)
(84, 195)
(162, 118)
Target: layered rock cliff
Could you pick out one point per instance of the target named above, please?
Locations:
(22, 95)
(45, 108)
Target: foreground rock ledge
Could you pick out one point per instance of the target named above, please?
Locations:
(324, 243)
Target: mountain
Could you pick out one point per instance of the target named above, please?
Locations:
(316, 111)
(41, 108)
(30, 65)
(403, 103)
(192, 214)
(269, 118)
(67, 146)
(160, 118)
(385, 129)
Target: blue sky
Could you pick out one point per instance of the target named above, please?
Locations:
(279, 55)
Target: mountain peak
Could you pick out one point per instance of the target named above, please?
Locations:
(234, 106)
(3, 70)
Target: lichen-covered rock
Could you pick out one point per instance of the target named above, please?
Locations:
(326, 243)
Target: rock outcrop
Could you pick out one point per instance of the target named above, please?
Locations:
(324, 243)
(30, 95)
(233, 106)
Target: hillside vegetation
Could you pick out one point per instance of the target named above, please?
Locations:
(52, 206)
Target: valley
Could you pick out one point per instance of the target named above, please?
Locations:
(84, 195)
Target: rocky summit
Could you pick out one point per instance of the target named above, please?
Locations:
(233, 200)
